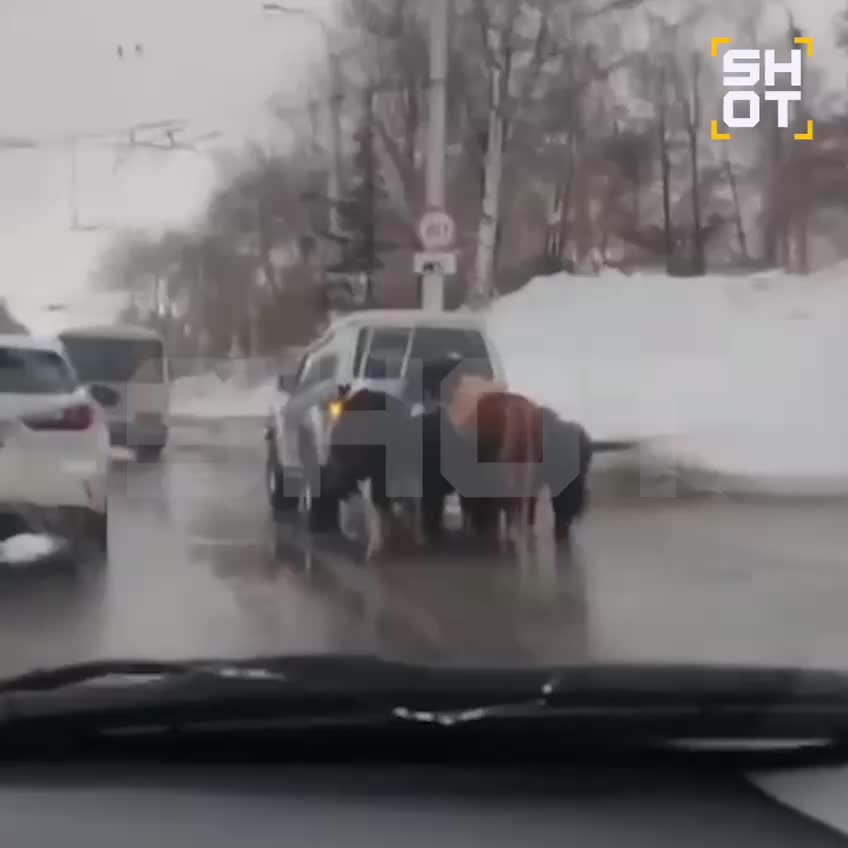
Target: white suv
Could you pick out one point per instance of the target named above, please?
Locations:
(54, 444)
(373, 348)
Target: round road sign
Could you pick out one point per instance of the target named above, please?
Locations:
(436, 230)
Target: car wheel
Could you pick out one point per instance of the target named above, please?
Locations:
(89, 551)
(100, 534)
(93, 533)
(276, 485)
(149, 453)
(320, 509)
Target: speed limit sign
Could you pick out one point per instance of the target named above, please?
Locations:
(436, 230)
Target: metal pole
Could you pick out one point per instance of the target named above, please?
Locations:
(334, 186)
(488, 231)
(74, 188)
(433, 283)
(437, 108)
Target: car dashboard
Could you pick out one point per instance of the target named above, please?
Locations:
(348, 806)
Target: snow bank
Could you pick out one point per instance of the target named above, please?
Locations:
(736, 375)
(208, 396)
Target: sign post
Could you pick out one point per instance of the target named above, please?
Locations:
(436, 230)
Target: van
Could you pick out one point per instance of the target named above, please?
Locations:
(126, 370)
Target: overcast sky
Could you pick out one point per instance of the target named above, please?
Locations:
(213, 63)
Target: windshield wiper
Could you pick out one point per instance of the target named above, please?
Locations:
(341, 672)
(609, 704)
(69, 675)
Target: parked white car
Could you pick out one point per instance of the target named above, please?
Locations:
(373, 348)
(54, 444)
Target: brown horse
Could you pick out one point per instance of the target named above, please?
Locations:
(508, 429)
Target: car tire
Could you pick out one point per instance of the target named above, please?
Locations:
(89, 550)
(321, 510)
(100, 532)
(149, 453)
(276, 484)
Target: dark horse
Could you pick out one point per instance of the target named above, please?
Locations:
(371, 443)
(379, 440)
(566, 457)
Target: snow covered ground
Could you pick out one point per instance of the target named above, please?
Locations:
(209, 396)
(735, 381)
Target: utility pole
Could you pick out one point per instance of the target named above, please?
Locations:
(436, 131)
(334, 183)
(433, 279)
(369, 185)
(74, 185)
(487, 235)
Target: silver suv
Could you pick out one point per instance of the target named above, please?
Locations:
(375, 348)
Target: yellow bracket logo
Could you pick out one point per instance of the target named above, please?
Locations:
(715, 135)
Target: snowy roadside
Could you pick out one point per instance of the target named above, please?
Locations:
(207, 397)
(728, 384)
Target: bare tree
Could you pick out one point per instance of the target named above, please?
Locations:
(665, 160)
(730, 176)
(505, 47)
(691, 107)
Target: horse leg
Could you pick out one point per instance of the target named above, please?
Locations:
(521, 521)
(375, 524)
(378, 515)
(568, 505)
(432, 510)
(417, 513)
(488, 519)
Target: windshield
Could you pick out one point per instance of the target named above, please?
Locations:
(515, 337)
(115, 360)
(34, 372)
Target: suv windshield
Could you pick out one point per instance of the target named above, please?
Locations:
(34, 372)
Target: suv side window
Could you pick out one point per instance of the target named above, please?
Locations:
(359, 353)
(302, 368)
(325, 367)
(387, 352)
(309, 371)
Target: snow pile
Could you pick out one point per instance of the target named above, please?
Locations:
(733, 375)
(208, 396)
(27, 549)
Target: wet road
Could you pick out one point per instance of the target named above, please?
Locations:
(197, 568)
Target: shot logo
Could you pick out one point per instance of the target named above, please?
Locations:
(744, 71)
